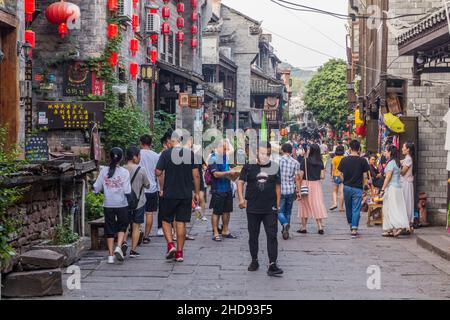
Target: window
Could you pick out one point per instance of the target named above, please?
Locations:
(178, 53)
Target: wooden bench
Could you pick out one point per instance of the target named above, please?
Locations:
(373, 207)
(95, 226)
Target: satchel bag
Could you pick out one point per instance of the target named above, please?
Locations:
(304, 190)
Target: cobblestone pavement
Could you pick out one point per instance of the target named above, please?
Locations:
(332, 266)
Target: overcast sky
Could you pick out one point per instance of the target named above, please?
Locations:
(320, 32)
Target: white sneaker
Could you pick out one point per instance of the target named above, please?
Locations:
(119, 254)
(160, 232)
(110, 259)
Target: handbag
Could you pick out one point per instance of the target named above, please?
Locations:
(133, 199)
(304, 190)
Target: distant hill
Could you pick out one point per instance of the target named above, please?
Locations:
(299, 77)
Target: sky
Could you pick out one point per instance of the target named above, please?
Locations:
(319, 32)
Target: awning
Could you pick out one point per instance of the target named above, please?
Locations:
(189, 75)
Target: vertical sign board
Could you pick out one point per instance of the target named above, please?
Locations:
(27, 99)
(36, 147)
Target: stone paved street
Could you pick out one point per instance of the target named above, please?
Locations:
(332, 266)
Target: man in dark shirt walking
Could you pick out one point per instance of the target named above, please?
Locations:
(353, 170)
(262, 201)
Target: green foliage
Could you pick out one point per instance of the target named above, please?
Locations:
(8, 196)
(326, 94)
(64, 234)
(94, 206)
(163, 122)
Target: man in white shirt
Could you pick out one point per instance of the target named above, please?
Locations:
(149, 159)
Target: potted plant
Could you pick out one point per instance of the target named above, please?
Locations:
(65, 242)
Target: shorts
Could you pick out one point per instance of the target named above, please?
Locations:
(337, 180)
(221, 202)
(179, 210)
(136, 216)
(152, 202)
(116, 220)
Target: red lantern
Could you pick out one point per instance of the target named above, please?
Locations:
(153, 55)
(180, 22)
(180, 7)
(113, 30)
(194, 29)
(194, 16)
(180, 36)
(112, 5)
(165, 28)
(135, 3)
(62, 29)
(113, 59)
(134, 46)
(134, 70)
(30, 7)
(154, 38)
(135, 22)
(58, 12)
(30, 37)
(194, 4)
(165, 13)
(194, 43)
(361, 131)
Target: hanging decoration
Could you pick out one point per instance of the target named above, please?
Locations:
(65, 14)
(165, 14)
(134, 46)
(135, 3)
(30, 38)
(135, 22)
(153, 55)
(113, 31)
(113, 59)
(30, 8)
(113, 5)
(134, 68)
(194, 22)
(180, 22)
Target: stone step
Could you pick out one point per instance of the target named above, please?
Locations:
(41, 259)
(437, 243)
(37, 283)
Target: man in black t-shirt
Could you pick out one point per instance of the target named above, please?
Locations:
(178, 175)
(353, 170)
(262, 200)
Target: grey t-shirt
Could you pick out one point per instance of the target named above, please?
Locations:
(140, 182)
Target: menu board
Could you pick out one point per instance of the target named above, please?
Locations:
(83, 115)
(36, 147)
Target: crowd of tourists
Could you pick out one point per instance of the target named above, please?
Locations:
(140, 183)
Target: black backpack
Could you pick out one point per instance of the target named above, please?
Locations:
(133, 199)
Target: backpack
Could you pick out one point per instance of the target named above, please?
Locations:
(133, 199)
(208, 176)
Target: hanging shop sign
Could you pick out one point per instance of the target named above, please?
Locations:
(183, 99)
(36, 147)
(195, 102)
(79, 81)
(79, 115)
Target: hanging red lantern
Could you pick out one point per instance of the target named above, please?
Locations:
(134, 70)
(180, 36)
(113, 5)
(135, 22)
(30, 7)
(62, 29)
(180, 7)
(194, 29)
(194, 4)
(153, 55)
(165, 28)
(180, 22)
(113, 59)
(194, 43)
(194, 16)
(30, 38)
(113, 30)
(165, 13)
(135, 3)
(134, 46)
(154, 38)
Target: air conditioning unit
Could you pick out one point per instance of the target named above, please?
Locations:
(125, 10)
(153, 23)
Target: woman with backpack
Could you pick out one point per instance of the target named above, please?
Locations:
(114, 181)
(139, 181)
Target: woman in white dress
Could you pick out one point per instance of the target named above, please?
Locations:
(395, 216)
(407, 179)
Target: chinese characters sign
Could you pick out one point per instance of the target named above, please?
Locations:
(36, 147)
(70, 115)
(80, 81)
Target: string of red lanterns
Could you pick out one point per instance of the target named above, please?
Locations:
(180, 21)
(165, 13)
(194, 27)
(30, 8)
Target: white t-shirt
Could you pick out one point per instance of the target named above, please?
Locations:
(114, 188)
(149, 159)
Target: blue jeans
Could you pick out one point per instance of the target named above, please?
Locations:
(287, 202)
(353, 201)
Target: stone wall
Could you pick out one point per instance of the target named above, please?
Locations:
(432, 173)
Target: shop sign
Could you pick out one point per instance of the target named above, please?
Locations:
(79, 81)
(70, 115)
(195, 102)
(183, 99)
(36, 147)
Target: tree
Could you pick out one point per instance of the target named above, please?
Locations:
(326, 94)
